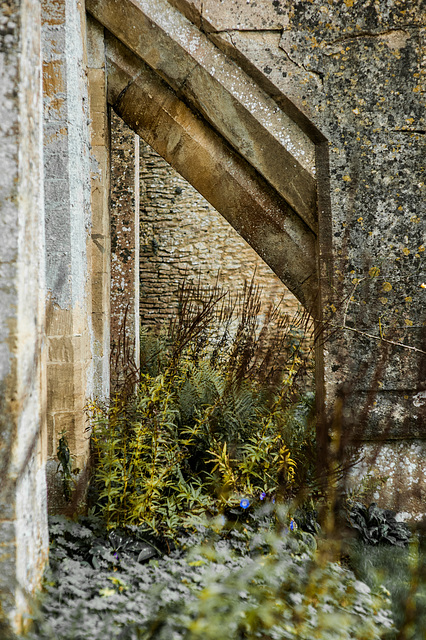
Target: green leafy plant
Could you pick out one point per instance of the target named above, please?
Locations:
(65, 466)
(400, 570)
(376, 525)
(209, 423)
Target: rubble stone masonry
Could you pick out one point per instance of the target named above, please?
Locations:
(183, 236)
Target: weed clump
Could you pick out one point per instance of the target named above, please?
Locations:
(213, 417)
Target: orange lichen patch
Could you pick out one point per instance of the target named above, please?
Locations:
(374, 272)
(53, 81)
(50, 138)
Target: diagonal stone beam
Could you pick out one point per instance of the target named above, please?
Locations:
(221, 92)
(262, 217)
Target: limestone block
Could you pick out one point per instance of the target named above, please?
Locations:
(98, 107)
(62, 393)
(95, 44)
(98, 322)
(100, 289)
(100, 257)
(221, 15)
(402, 463)
(191, 9)
(100, 135)
(58, 321)
(64, 349)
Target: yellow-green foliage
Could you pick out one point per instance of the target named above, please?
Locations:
(199, 433)
(140, 456)
(153, 468)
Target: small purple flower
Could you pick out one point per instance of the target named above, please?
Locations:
(245, 502)
(262, 495)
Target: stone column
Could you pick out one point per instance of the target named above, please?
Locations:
(124, 251)
(101, 240)
(23, 514)
(68, 218)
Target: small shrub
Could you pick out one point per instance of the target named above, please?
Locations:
(65, 466)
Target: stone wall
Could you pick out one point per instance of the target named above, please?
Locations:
(183, 237)
(54, 274)
(356, 72)
(23, 522)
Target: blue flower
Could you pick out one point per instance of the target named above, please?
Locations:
(245, 502)
(293, 525)
(262, 495)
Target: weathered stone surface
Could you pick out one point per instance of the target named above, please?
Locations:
(246, 116)
(23, 523)
(354, 74)
(266, 222)
(124, 249)
(222, 15)
(402, 463)
(320, 103)
(100, 247)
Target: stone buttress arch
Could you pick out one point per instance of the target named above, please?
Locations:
(214, 125)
